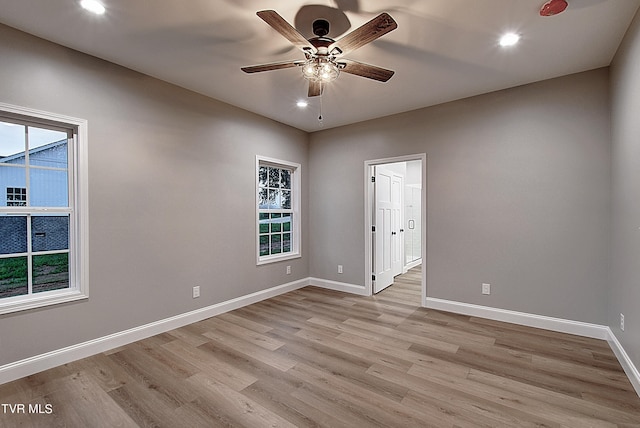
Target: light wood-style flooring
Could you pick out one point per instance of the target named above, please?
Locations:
(314, 357)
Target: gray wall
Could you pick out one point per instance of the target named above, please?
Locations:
(518, 185)
(624, 294)
(171, 194)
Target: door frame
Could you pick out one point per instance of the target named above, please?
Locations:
(368, 219)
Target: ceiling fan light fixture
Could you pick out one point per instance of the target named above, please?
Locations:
(309, 69)
(320, 70)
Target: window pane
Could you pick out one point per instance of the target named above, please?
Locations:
(48, 188)
(286, 199)
(49, 233)
(276, 225)
(276, 244)
(262, 176)
(12, 143)
(13, 234)
(263, 198)
(285, 179)
(286, 222)
(274, 177)
(50, 272)
(264, 245)
(263, 223)
(286, 243)
(12, 178)
(274, 199)
(13, 277)
(52, 155)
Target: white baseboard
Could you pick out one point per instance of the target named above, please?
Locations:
(339, 286)
(531, 320)
(627, 365)
(38, 363)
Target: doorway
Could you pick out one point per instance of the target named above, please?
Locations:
(395, 220)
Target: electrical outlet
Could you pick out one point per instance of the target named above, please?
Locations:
(339, 268)
(622, 322)
(486, 288)
(288, 270)
(196, 291)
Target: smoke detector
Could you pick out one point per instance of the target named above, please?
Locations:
(553, 7)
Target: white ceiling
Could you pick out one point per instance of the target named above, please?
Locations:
(442, 50)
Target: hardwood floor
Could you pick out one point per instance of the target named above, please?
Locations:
(315, 357)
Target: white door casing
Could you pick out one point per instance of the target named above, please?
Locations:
(397, 221)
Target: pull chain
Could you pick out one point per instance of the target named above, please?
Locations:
(320, 115)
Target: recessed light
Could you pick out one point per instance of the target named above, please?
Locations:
(509, 39)
(93, 6)
(302, 103)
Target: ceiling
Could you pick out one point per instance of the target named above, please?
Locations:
(442, 50)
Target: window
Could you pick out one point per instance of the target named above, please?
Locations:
(43, 244)
(16, 196)
(278, 213)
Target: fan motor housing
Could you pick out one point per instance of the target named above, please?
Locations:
(320, 27)
(321, 42)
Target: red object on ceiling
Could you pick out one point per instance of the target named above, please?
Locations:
(553, 7)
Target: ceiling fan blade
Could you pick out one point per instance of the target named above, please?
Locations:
(365, 70)
(279, 24)
(315, 88)
(377, 27)
(271, 66)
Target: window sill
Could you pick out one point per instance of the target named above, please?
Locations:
(275, 259)
(21, 303)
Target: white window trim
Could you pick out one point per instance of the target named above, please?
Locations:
(296, 196)
(79, 218)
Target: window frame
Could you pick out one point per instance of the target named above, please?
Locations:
(77, 209)
(296, 239)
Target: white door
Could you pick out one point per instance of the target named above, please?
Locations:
(387, 254)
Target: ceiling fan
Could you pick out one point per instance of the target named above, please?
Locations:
(323, 56)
